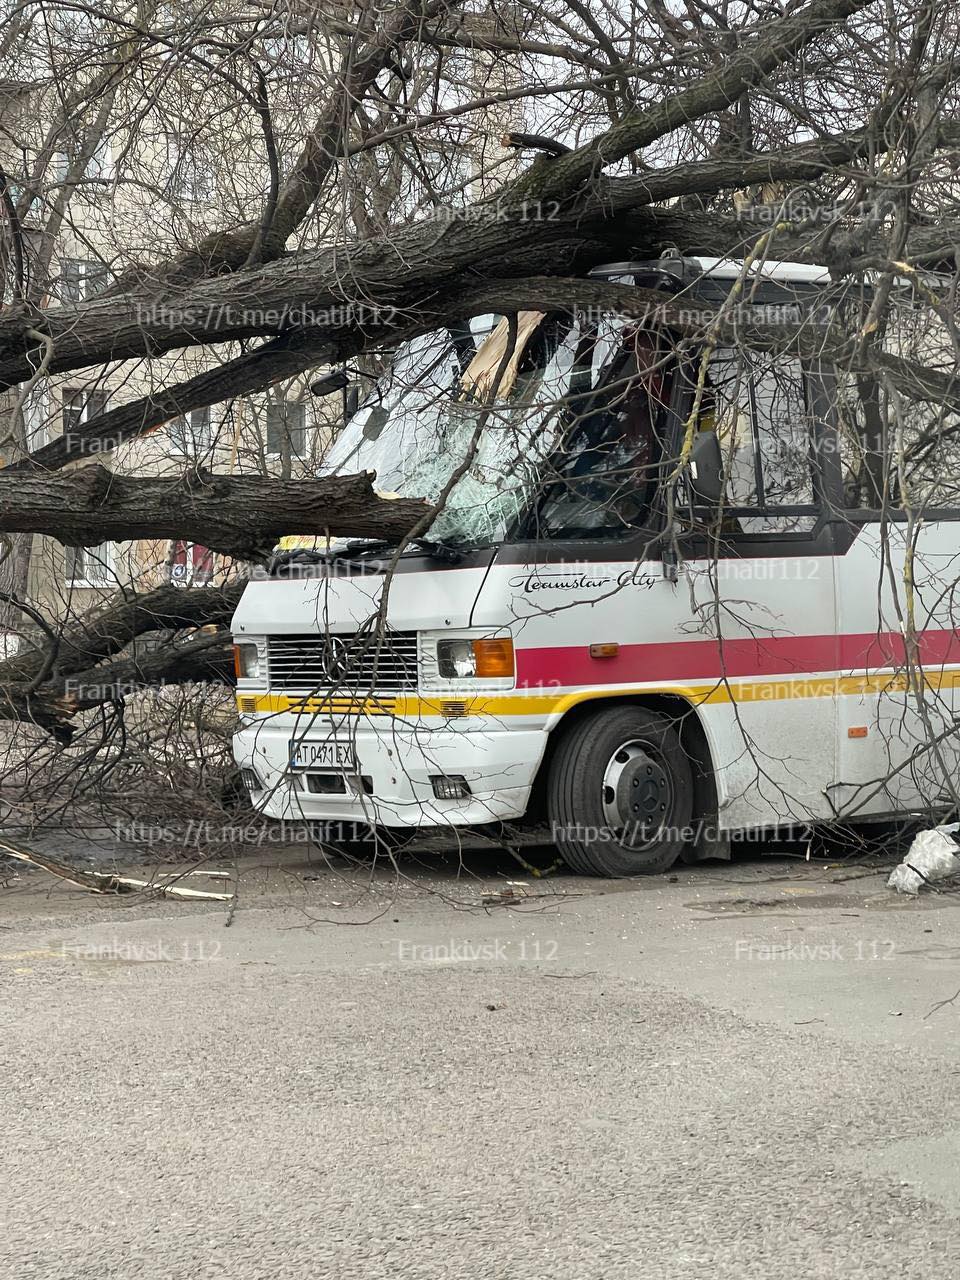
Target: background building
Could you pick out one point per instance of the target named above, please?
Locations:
(122, 152)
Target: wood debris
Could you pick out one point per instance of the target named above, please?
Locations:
(105, 882)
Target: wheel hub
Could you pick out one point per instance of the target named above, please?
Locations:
(637, 794)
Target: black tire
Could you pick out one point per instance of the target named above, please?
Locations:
(640, 754)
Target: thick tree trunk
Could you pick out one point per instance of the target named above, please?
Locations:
(14, 580)
(365, 290)
(239, 516)
(84, 643)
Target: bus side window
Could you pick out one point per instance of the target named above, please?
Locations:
(861, 431)
(763, 424)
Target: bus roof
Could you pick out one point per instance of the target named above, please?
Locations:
(719, 269)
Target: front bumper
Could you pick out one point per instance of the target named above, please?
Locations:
(397, 759)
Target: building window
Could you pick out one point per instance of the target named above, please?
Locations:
(59, 166)
(80, 406)
(82, 278)
(99, 165)
(189, 564)
(286, 428)
(190, 434)
(189, 170)
(35, 418)
(90, 566)
(25, 208)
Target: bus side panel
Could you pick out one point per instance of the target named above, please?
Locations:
(763, 687)
(774, 711)
(889, 717)
(773, 762)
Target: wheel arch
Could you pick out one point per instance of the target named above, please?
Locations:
(688, 722)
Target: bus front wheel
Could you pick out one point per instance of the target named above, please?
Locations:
(620, 793)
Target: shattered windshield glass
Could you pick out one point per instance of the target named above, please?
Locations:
(431, 412)
(568, 447)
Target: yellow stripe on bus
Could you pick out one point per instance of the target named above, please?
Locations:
(411, 706)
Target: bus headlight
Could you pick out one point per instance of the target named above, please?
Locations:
(456, 659)
(465, 659)
(246, 661)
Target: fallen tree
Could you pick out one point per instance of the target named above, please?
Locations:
(399, 270)
(239, 516)
(33, 509)
(635, 186)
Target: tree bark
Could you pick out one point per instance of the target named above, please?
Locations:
(239, 516)
(56, 701)
(275, 360)
(356, 296)
(101, 635)
(48, 686)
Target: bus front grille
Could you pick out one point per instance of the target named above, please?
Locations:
(359, 664)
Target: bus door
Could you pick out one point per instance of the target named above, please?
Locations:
(764, 588)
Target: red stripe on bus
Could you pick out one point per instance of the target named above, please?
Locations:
(708, 660)
(887, 649)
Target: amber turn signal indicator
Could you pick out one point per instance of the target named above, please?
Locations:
(494, 658)
(604, 650)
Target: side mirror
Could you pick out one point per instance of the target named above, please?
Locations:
(335, 381)
(338, 380)
(706, 468)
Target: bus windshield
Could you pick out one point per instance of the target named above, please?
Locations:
(554, 453)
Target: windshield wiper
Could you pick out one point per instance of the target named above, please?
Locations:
(438, 550)
(360, 545)
(351, 553)
(441, 551)
(309, 555)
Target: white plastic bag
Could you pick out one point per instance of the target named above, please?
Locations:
(932, 856)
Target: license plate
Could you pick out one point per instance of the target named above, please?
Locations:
(323, 755)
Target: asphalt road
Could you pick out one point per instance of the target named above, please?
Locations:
(738, 1073)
